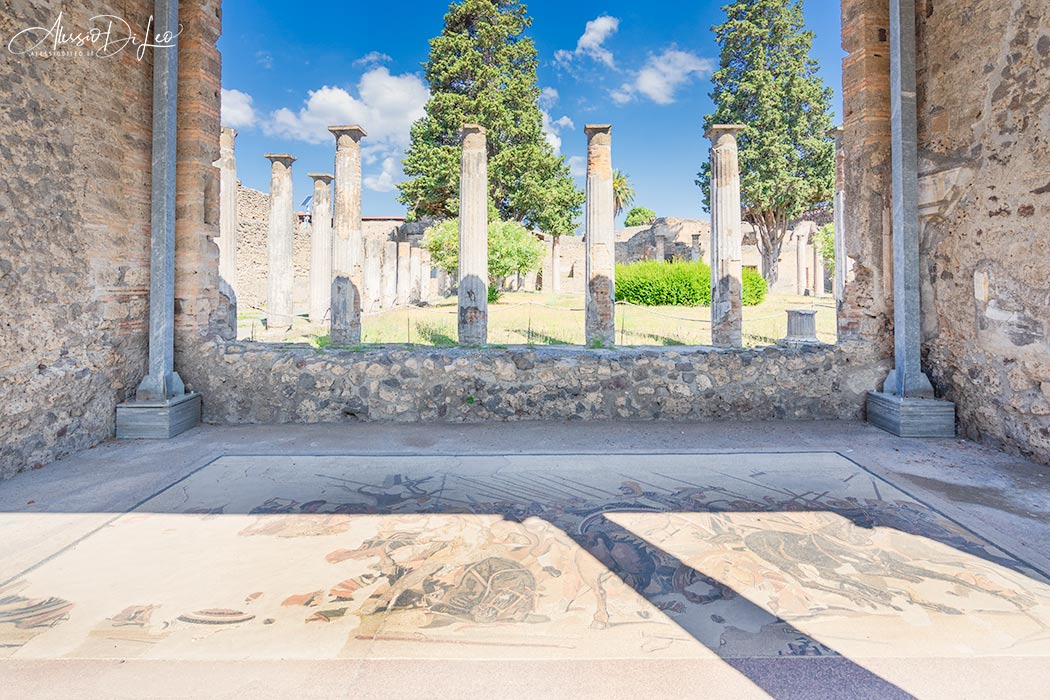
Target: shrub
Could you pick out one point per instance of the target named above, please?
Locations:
(512, 250)
(653, 283)
(640, 216)
(755, 287)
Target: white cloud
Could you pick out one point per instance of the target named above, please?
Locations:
(385, 106)
(552, 127)
(372, 58)
(577, 166)
(237, 110)
(662, 75)
(591, 43)
(388, 177)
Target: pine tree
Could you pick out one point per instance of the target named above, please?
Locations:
(768, 82)
(482, 69)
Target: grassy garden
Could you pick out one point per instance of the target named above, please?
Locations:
(536, 318)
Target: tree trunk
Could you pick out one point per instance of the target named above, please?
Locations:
(771, 230)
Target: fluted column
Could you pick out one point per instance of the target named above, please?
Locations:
(281, 274)
(726, 234)
(473, 237)
(321, 248)
(600, 238)
(347, 236)
(227, 240)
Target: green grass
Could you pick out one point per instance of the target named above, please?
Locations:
(524, 318)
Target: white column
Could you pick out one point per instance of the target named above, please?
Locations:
(601, 238)
(227, 240)
(726, 238)
(321, 248)
(281, 274)
(347, 239)
(473, 237)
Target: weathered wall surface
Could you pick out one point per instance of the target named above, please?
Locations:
(984, 77)
(257, 383)
(74, 236)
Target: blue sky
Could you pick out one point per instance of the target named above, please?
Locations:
(643, 67)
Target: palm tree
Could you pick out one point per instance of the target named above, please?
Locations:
(623, 191)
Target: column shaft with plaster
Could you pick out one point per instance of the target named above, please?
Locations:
(388, 295)
(227, 240)
(280, 279)
(726, 239)
(347, 235)
(473, 237)
(321, 248)
(601, 239)
(404, 274)
(373, 275)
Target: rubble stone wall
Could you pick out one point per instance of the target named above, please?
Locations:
(984, 137)
(74, 236)
(258, 383)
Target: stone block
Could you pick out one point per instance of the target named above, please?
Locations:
(158, 420)
(908, 417)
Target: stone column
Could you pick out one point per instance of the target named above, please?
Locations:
(555, 283)
(388, 298)
(697, 253)
(227, 239)
(347, 237)
(601, 239)
(840, 216)
(425, 266)
(906, 405)
(321, 248)
(818, 270)
(415, 271)
(404, 273)
(473, 237)
(281, 274)
(660, 254)
(801, 283)
(162, 408)
(373, 274)
(726, 239)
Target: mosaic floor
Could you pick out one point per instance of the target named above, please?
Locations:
(526, 557)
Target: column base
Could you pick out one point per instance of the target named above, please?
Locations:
(158, 420)
(911, 417)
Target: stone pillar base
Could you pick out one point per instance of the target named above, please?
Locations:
(911, 418)
(158, 420)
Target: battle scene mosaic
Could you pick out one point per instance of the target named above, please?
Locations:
(571, 556)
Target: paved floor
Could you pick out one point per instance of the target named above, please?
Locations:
(531, 560)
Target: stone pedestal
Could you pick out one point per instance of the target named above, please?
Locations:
(280, 312)
(473, 238)
(802, 327)
(158, 419)
(727, 272)
(600, 239)
(911, 417)
(347, 234)
(321, 248)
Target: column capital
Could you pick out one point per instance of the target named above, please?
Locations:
(837, 132)
(472, 134)
(284, 158)
(353, 131)
(321, 177)
(716, 131)
(228, 132)
(592, 129)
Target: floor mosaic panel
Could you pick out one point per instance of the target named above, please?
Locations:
(571, 556)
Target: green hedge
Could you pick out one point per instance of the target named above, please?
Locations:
(654, 283)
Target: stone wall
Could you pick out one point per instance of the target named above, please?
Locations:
(984, 101)
(257, 383)
(74, 236)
